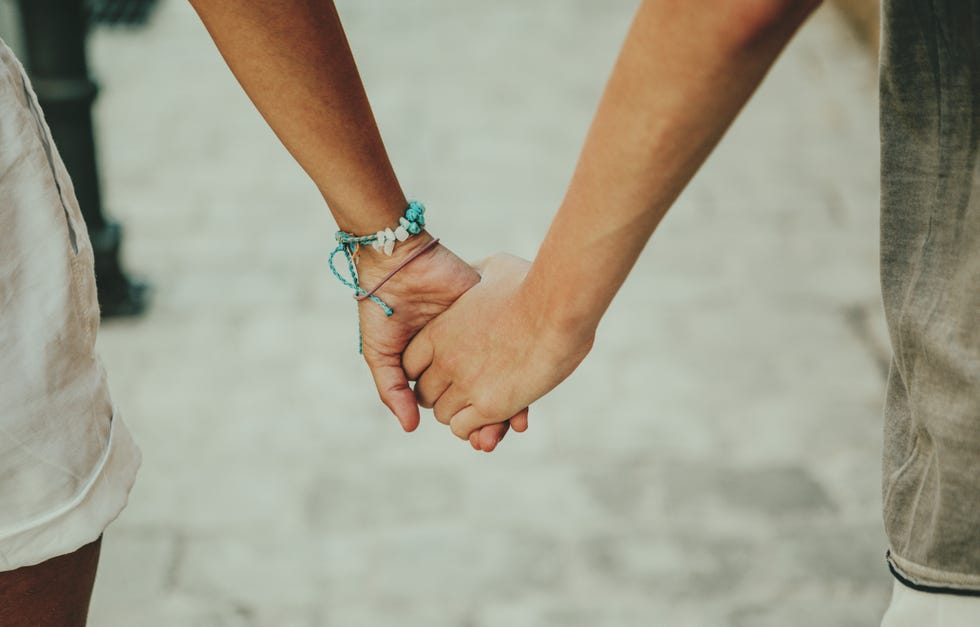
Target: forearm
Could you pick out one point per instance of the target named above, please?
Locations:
(293, 60)
(685, 71)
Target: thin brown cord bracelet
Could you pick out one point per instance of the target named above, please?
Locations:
(411, 258)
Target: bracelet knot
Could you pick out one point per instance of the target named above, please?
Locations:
(348, 244)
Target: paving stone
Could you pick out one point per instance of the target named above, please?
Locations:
(341, 501)
(813, 608)
(665, 566)
(451, 564)
(770, 492)
(174, 609)
(142, 566)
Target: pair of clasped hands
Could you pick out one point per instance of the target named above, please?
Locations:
(471, 338)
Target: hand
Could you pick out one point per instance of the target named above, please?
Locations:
(491, 353)
(417, 294)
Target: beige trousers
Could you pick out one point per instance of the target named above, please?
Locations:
(67, 461)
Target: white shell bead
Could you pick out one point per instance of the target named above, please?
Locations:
(401, 234)
(390, 244)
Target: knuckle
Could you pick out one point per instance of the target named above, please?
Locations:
(442, 415)
(459, 431)
(424, 395)
(422, 398)
(412, 365)
(388, 390)
(485, 404)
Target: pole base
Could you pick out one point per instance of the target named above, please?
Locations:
(120, 12)
(119, 296)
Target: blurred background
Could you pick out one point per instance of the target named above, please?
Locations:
(715, 460)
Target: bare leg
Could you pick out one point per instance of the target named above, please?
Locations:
(54, 593)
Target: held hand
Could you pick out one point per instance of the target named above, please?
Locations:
(417, 294)
(491, 354)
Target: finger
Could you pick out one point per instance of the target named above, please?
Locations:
(468, 420)
(449, 404)
(418, 355)
(519, 422)
(430, 387)
(475, 440)
(393, 389)
(491, 435)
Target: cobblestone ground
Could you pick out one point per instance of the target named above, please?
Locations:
(714, 462)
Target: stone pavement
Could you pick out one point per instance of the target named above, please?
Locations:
(714, 462)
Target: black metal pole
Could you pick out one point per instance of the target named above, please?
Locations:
(54, 47)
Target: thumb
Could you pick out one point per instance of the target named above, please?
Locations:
(468, 420)
(393, 389)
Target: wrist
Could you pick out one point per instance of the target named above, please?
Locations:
(425, 265)
(558, 317)
(386, 250)
(373, 262)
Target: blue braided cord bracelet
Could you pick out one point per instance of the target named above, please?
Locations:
(349, 244)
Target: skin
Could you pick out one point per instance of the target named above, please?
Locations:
(307, 87)
(515, 335)
(669, 100)
(54, 593)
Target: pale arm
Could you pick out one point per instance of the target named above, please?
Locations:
(685, 70)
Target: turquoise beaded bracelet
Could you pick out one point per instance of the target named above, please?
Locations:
(411, 223)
